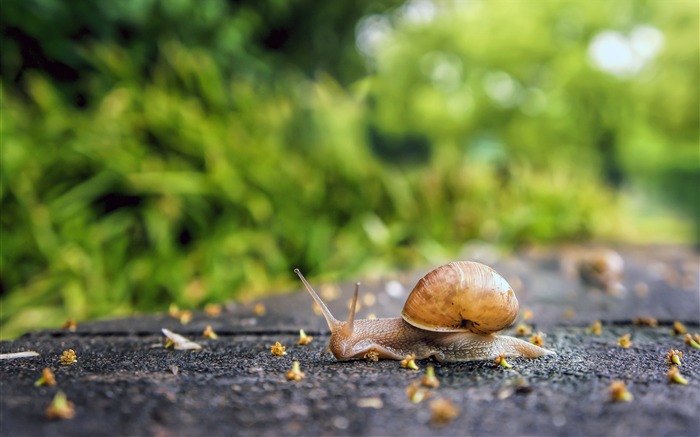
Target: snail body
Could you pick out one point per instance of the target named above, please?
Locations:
(452, 314)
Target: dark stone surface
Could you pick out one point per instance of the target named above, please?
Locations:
(126, 383)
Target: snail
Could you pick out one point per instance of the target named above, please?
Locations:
(603, 268)
(452, 314)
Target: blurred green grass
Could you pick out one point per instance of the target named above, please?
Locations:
(196, 166)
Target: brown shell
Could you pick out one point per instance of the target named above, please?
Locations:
(462, 296)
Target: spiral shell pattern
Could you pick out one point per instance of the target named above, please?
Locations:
(462, 296)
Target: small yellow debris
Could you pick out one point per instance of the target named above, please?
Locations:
(209, 333)
(537, 339)
(679, 328)
(60, 407)
(303, 338)
(68, 357)
(569, 313)
(372, 356)
(619, 392)
(212, 310)
(693, 341)
(527, 314)
(674, 375)
(70, 325)
(501, 361)
(295, 374)
(259, 309)
(416, 393)
(409, 362)
(278, 349)
(430, 380)
(674, 357)
(443, 411)
(625, 341)
(595, 328)
(47, 378)
(646, 321)
(184, 316)
(523, 330)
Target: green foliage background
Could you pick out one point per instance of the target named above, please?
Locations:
(195, 151)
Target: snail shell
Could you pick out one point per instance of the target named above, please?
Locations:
(462, 296)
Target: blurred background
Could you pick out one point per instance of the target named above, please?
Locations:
(190, 152)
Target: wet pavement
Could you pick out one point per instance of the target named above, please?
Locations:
(126, 383)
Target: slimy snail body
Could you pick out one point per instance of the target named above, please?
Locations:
(452, 314)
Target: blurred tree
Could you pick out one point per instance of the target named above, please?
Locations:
(245, 38)
(157, 151)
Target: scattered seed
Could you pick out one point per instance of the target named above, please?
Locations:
(68, 357)
(527, 314)
(60, 407)
(303, 338)
(625, 341)
(70, 325)
(212, 309)
(674, 375)
(430, 380)
(47, 378)
(259, 309)
(501, 361)
(184, 316)
(372, 356)
(693, 341)
(209, 333)
(277, 349)
(674, 357)
(595, 328)
(537, 339)
(409, 362)
(646, 321)
(679, 328)
(295, 374)
(416, 393)
(523, 330)
(443, 411)
(619, 392)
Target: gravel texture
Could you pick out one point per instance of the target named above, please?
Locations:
(126, 383)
